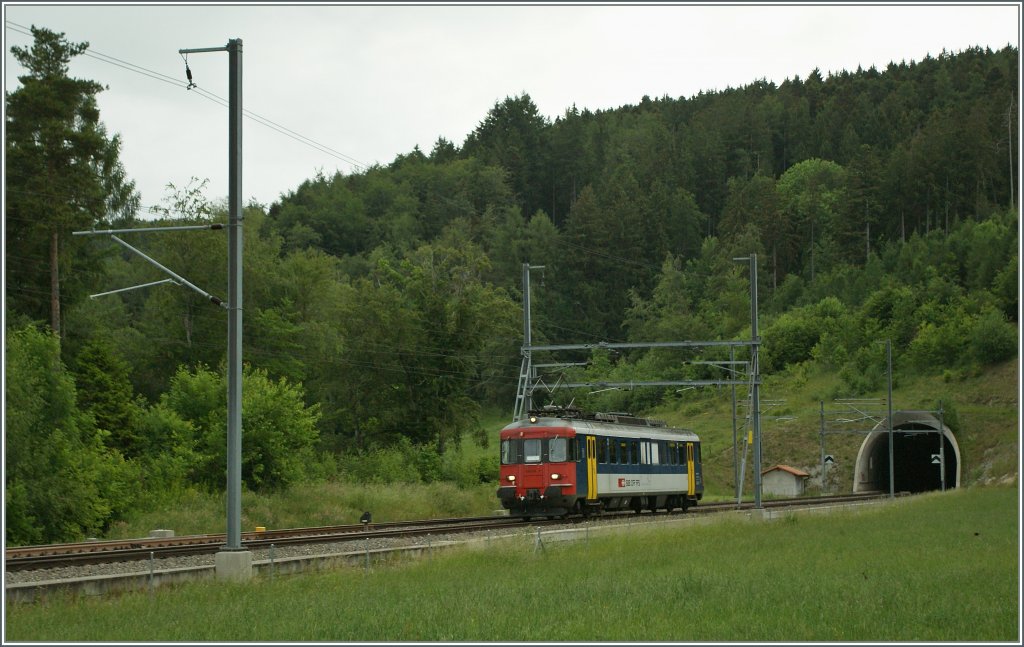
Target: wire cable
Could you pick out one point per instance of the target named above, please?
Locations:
(263, 121)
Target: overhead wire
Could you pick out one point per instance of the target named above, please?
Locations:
(158, 76)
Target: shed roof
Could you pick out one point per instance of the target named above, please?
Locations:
(786, 468)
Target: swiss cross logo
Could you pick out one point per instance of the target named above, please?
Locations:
(622, 482)
(629, 482)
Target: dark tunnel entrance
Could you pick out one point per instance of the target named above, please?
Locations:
(917, 456)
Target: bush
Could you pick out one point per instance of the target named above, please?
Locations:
(794, 336)
(61, 482)
(991, 338)
(790, 339)
(280, 431)
(936, 346)
(402, 462)
(866, 370)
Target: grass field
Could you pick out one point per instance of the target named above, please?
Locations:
(937, 567)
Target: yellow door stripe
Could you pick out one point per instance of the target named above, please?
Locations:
(692, 477)
(591, 468)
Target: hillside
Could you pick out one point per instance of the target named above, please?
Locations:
(383, 309)
(986, 406)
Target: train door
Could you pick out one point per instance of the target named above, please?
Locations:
(591, 468)
(691, 473)
(648, 457)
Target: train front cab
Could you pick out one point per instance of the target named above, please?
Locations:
(539, 471)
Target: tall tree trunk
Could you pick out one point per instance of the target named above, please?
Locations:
(54, 285)
(775, 266)
(1009, 145)
(867, 238)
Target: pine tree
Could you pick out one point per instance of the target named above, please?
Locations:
(63, 174)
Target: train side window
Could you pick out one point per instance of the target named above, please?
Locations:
(624, 452)
(511, 451)
(558, 450)
(636, 452)
(532, 450)
(673, 456)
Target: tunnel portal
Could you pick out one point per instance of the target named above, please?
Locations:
(917, 456)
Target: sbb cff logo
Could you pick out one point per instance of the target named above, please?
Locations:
(628, 482)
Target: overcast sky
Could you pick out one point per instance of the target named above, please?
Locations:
(372, 82)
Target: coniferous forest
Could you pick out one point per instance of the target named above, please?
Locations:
(383, 308)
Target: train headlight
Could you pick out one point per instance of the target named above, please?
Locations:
(555, 477)
(533, 420)
(511, 477)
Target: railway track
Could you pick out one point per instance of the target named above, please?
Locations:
(94, 552)
(103, 567)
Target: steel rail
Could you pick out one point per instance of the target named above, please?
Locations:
(58, 555)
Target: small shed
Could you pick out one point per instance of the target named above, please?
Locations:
(783, 480)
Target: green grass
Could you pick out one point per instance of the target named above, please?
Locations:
(938, 567)
(319, 504)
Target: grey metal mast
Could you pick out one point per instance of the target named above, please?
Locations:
(892, 474)
(234, 369)
(527, 341)
(234, 534)
(755, 379)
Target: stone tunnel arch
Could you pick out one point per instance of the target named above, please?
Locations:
(916, 437)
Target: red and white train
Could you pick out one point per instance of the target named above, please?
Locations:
(561, 461)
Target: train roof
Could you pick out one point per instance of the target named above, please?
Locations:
(623, 425)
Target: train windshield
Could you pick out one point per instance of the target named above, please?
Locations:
(557, 450)
(537, 450)
(531, 450)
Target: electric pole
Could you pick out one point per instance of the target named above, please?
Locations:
(232, 561)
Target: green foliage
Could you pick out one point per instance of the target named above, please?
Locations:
(105, 391)
(513, 137)
(279, 429)
(62, 173)
(426, 322)
(61, 482)
(169, 460)
(810, 195)
(992, 338)
(401, 462)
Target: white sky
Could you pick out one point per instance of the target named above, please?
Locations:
(372, 82)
